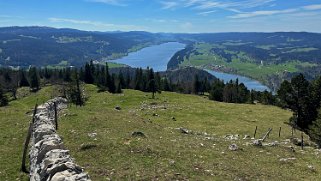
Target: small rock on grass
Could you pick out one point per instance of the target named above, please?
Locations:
(233, 147)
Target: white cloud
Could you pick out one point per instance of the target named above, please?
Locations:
(206, 13)
(107, 26)
(155, 20)
(169, 4)
(211, 5)
(263, 13)
(312, 7)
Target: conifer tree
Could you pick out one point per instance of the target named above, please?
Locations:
(112, 86)
(3, 98)
(23, 82)
(88, 78)
(118, 89)
(34, 79)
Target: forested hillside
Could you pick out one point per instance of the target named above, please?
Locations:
(42, 46)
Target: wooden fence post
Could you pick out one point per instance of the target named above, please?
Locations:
(267, 134)
(255, 131)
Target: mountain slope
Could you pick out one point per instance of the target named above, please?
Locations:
(166, 153)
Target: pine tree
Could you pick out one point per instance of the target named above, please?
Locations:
(128, 81)
(302, 103)
(3, 98)
(74, 91)
(196, 85)
(122, 81)
(34, 79)
(88, 78)
(216, 93)
(23, 82)
(118, 90)
(112, 86)
(152, 87)
(315, 129)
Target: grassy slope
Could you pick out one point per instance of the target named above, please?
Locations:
(166, 153)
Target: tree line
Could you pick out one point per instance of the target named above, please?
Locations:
(301, 96)
(143, 79)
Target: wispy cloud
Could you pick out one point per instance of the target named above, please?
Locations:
(263, 13)
(169, 4)
(211, 5)
(110, 2)
(206, 13)
(313, 7)
(155, 20)
(108, 26)
(303, 11)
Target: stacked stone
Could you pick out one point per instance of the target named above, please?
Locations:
(49, 160)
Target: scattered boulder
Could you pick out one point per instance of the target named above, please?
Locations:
(257, 142)
(233, 147)
(274, 143)
(287, 160)
(138, 134)
(296, 141)
(92, 135)
(247, 137)
(311, 167)
(185, 131)
(156, 115)
(173, 118)
(232, 137)
(118, 108)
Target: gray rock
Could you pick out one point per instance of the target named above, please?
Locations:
(247, 137)
(257, 142)
(184, 131)
(233, 147)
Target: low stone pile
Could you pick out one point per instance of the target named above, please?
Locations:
(49, 160)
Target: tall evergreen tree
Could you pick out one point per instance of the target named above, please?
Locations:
(88, 78)
(23, 82)
(3, 98)
(112, 86)
(34, 79)
(122, 80)
(315, 129)
(196, 85)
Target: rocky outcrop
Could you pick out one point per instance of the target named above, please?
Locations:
(49, 160)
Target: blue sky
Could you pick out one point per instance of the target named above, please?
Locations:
(189, 16)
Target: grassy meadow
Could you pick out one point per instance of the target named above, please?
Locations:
(165, 153)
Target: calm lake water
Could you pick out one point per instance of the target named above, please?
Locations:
(249, 83)
(157, 57)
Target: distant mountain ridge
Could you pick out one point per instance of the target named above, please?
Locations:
(41, 46)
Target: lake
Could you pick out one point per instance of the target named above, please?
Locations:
(249, 83)
(155, 57)
(158, 56)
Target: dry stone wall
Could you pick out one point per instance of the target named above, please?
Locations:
(49, 160)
